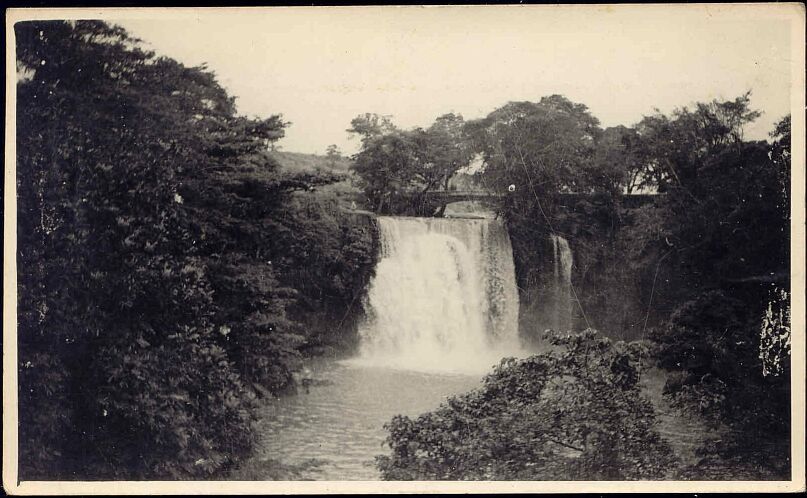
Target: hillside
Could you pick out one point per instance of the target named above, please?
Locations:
(298, 162)
(343, 191)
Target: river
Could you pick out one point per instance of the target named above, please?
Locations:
(334, 431)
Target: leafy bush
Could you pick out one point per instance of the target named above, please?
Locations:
(328, 256)
(712, 346)
(572, 413)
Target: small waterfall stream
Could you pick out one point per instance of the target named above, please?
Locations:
(562, 284)
(444, 296)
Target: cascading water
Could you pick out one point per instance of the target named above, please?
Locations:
(443, 298)
(562, 258)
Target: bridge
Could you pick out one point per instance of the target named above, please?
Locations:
(449, 196)
(567, 199)
(433, 202)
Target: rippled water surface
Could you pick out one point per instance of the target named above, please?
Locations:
(335, 430)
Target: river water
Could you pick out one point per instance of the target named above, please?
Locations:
(334, 431)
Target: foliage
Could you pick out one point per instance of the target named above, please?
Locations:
(723, 232)
(111, 289)
(150, 312)
(572, 413)
(708, 259)
(393, 163)
(618, 163)
(442, 150)
(673, 149)
(328, 255)
(296, 163)
(541, 148)
(370, 125)
(333, 154)
(235, 202)
(385, 166)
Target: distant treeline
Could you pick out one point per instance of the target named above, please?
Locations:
(297, 162)
(159, 257)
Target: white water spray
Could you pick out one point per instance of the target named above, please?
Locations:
(444, 296)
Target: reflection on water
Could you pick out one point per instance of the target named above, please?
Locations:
(335, 431)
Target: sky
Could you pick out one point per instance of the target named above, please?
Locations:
(320, 67)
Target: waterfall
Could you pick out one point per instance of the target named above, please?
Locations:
(443, 298)
(562, 285)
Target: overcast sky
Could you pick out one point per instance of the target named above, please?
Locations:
(322, 67)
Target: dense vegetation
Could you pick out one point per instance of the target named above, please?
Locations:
(723, 231)
(573, 413)
(394, 164)
(159, 248)
(702, 269)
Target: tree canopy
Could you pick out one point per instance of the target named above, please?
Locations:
(540, 147)
(393, 163)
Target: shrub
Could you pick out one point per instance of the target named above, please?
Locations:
(572, 413)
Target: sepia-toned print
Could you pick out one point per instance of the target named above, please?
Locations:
(449, 248)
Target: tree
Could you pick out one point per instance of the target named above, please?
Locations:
(672, 149)
(370, 125)
(116, 343)
(393, 164)
(150, 313)
(724, 215)
(618, 166)
(542, 148)
(573, 413)
(721, 240)
(532, 152)
(443, 150)
(333, 154)
(385, 166)
(328, 256)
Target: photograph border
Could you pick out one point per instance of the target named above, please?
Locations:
(794, 13)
